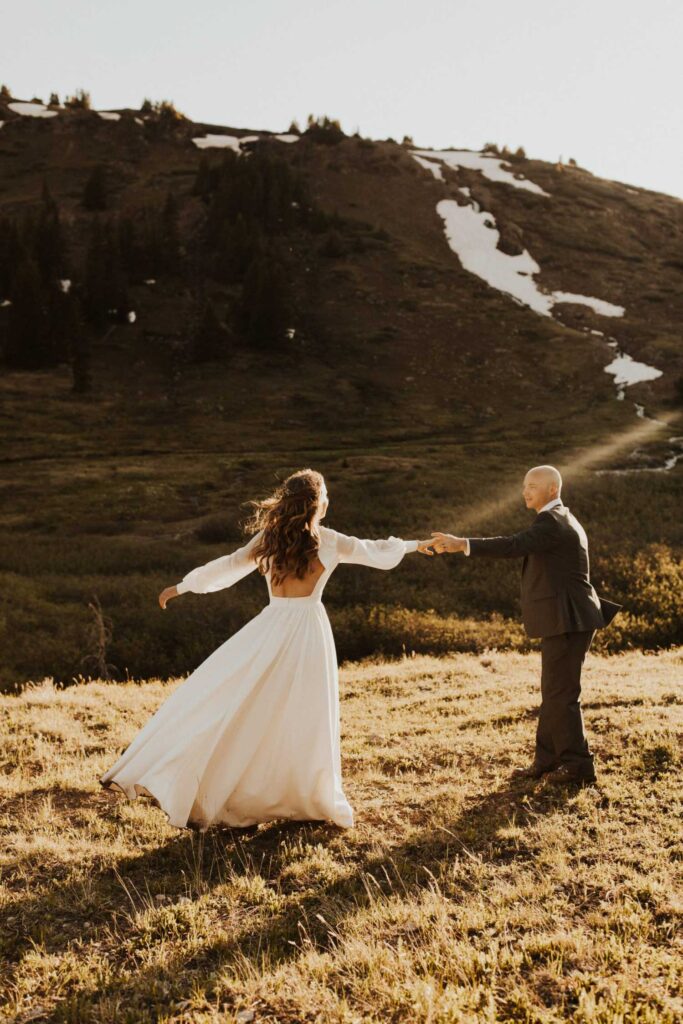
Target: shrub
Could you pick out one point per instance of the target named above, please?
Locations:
(324, 129)
(79, 101)
(649, 584)
(392, 630)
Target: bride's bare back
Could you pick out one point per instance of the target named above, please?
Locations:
(292, 586)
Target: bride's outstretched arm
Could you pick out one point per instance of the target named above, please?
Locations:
(217, 574)
(379, 554)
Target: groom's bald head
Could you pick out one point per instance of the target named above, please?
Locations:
(541, 485)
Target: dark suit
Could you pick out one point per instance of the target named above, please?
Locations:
(559, 605)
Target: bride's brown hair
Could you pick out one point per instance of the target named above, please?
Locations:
(288, 519)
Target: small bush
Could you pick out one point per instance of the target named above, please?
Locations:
(324, 129)
(79, 101)
(393, 631)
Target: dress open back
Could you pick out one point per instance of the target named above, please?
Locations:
(252, 734)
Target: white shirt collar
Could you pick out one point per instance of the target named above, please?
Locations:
(550, 504)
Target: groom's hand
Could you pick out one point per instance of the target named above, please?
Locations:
(446, 542)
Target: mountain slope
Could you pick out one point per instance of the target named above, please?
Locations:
(421, 391)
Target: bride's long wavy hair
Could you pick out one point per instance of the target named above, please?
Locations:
(289, 520)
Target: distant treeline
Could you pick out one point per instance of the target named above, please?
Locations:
(54, 304)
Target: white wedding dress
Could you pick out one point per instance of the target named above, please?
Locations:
(252, 734)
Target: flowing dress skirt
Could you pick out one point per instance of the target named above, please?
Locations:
(252, 734)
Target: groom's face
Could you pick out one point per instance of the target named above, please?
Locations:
(537, 490)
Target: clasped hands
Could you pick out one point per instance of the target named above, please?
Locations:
(442, 543)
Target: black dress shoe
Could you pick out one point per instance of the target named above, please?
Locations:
(533, 771)
(569, 776)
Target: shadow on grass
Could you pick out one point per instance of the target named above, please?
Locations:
(190, 865)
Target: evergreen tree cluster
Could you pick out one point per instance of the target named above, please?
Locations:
(253, 204)
(49, 308)
(123, 250)
(42, 321)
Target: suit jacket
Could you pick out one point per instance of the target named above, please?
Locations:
(556, 592)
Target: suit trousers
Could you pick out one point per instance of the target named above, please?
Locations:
(560, 736)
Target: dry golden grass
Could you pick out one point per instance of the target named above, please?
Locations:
(457, 897)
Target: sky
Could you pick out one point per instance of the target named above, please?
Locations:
(596, 80)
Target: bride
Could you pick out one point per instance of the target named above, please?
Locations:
(253, 733)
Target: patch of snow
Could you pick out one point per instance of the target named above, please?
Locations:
(429, 165)
(223, 141)
(218, 142)
(138, 120)
(65, 284)
(151, 280)
(31, 109)
(108, 115)
(490, 166)
(633, 191)
(1, 123)
(597, 305)
(288, 138)
(473, 236)
(627, 371)
(466, 191)
(598, 334)
(5, 302)
(131, 317)
(291, 332)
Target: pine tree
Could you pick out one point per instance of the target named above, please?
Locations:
(202, 181)
(49, 246)
(105, 280)
(13, 250)
(266, 300)
(95, 191)
(78, 348)
(211, 340)
(170, 235)
(28, 343)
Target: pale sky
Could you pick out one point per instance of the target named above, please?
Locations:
(597, 80)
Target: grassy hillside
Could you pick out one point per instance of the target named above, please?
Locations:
(419, 391)
(456, 897)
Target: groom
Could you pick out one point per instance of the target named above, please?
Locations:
(560, 606)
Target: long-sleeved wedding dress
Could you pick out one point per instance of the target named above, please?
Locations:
(252, 734)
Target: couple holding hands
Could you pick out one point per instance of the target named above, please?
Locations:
(252, 734)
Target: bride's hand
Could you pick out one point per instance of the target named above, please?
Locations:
(425, 547)
(166, 595)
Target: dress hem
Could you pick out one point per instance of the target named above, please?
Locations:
(200, 826)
